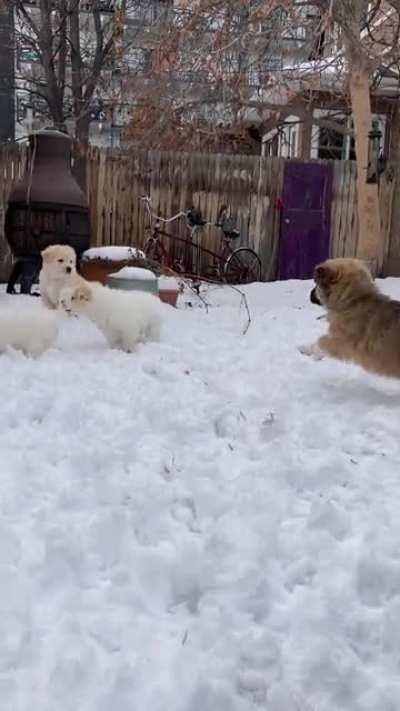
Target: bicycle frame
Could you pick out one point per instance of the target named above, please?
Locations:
(219, 259)
(192, 266)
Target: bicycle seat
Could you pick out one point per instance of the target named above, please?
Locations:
(228, 228)
(194, 217)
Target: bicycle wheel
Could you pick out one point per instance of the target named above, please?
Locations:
(243, 266)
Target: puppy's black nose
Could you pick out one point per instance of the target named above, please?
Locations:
(68, 270)
(314, 297)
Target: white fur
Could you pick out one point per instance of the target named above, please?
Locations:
(27, 329)
(58, 271)
(126, 318)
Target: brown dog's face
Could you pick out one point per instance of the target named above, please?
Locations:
(60, 260)
(338, 281)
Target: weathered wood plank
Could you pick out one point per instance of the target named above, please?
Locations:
(248, 185)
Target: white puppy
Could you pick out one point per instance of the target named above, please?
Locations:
(58, 271)
(125, 318)
(27, 329)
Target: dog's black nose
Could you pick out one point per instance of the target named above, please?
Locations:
(68, 270)
(314, 297)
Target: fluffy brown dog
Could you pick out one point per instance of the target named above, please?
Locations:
(364, 325)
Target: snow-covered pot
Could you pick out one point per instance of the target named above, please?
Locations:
(98, 262)
(169, 290)
(133, 279)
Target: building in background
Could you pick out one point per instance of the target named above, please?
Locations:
(218, 71)
(316, 118)
(7, 82)
(114, 95)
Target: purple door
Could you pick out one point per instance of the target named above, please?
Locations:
(305, 218)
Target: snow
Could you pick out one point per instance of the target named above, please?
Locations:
(210, 524)
(113, 254)
(168, 283)
(134, 273)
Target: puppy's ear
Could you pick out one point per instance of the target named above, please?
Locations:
(325, 274)
(46, 254)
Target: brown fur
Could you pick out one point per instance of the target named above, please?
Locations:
(364, 324)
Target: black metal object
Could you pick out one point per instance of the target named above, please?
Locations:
(374, 152)
(26, 271)
(46, 207)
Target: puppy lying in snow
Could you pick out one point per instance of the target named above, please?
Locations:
(27, 329)
(58, 271)
(125, 318)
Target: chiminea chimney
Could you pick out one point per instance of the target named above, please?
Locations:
(46, 207)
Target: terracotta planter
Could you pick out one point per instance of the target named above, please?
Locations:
(169, 296)
(99, 269)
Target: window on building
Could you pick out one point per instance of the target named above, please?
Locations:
(289, 140)
(26, 53)
(331, 144)
(273, 63)
(335, 145)
(138, 59)
(102, 5)
(230, 64)
(271, 147)
(24, 108)
(147, 11)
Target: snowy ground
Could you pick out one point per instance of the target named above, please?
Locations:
(211, 524)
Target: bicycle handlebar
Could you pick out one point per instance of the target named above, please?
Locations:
(193, 216)
(147, 202)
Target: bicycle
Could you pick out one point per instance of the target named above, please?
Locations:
(240, 265)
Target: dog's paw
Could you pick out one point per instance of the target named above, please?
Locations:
(305, 349)
(312, 350)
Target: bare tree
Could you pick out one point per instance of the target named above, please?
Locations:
(69, 49)
(223, 67)
(215, 74)
(370, 34)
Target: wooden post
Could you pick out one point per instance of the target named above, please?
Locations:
(394, 144)
(305, 137)
(370, 243)
(392, 263)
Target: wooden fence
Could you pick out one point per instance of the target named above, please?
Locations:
(250, 185)
(176, 182)
(344, 217)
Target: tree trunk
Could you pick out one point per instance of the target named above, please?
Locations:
(394, 148)
(82, 138)
(369, 247)
(46, 43)
(392, 265)
(305, 137)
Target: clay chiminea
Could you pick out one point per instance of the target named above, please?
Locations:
(46, 207)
